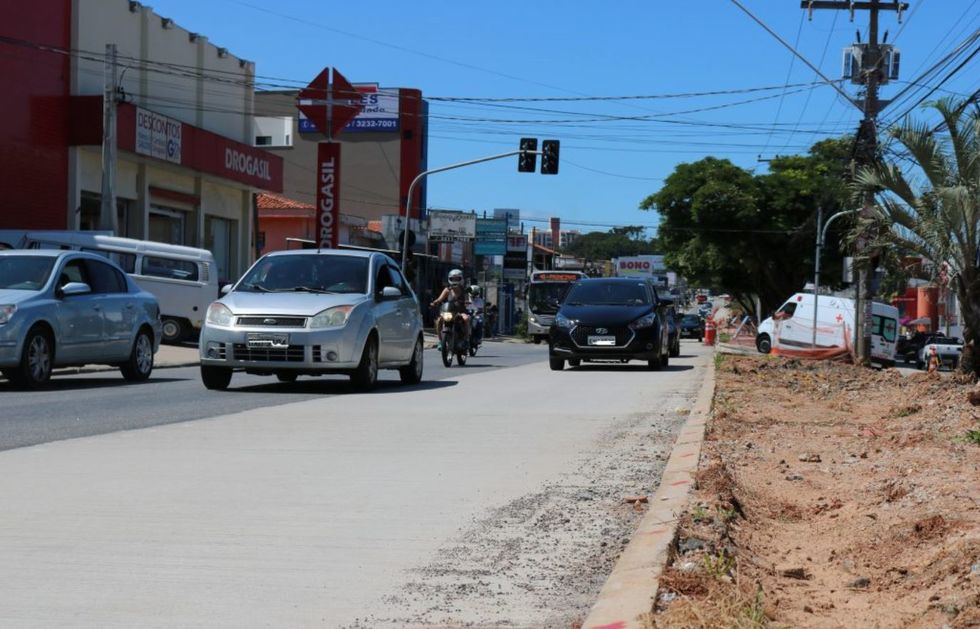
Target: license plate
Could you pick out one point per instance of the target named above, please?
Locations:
(263, 339)
(602, 340)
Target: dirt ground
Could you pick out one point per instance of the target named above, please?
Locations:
(830, 496)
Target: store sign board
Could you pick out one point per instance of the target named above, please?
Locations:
(328, 194)
(451, 226)
(491, 237)
(158, 136)
(379, 112)
(516, 243)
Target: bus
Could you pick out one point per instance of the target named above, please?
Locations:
(545, 293)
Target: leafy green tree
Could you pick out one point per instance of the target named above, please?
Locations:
(725, 228)
(619, 241)
(934, 210)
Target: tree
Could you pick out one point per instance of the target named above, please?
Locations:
(617, 242)
(934, 209)
(724, 228)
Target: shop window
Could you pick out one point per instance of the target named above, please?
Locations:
(220, 240)
(167, 225)
(91, 206)
(169, 268)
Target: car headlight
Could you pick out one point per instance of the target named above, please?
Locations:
(7, 311)
(564, 322)
(532, 318)
(219, 314)
(335, 317)
(644, 322)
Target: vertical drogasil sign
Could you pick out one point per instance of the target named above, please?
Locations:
(328, 194)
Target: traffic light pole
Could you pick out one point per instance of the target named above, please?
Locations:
(424, 174)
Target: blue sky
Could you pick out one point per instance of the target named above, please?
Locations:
(571, 48)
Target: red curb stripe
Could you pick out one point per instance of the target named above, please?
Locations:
(680, 482)
(619, 624)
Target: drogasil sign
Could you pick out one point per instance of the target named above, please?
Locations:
(328, 194)
(245, 164)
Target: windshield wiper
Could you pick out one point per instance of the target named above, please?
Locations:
(305, 289)
(257, 287)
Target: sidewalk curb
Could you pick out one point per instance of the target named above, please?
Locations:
(630, 591)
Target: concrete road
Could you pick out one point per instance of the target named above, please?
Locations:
(489, 497)
(102, 402)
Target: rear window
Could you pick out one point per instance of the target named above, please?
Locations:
(126, 261)
(169, 268)
(609, 294)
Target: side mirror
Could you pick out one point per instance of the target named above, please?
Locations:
(226, 289)
(390, 292)
(75, 288)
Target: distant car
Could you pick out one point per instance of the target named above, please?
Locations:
(949, 350)
(691, 327)
(315, 312)
(705, 309)
(64, 308)
(609, 319)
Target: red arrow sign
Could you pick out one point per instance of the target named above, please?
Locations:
(346, 102)
(329, 107)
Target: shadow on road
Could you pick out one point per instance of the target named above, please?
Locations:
(69, 384)
(629, 367)
(338, 387)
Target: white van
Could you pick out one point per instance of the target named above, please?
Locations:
(791, 327)
(183, 279)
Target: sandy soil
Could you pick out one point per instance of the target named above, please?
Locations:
(830, 496)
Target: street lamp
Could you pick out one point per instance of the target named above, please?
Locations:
(821, 238)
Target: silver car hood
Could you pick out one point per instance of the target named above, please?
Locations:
(292, 303)
(15, 296)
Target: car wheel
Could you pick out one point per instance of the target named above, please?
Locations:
(287, 376)
(574, 362)
(664, 360)
(365, 377)
(920, 365)
(556, 364)
(763, 343)
(447, 348)
(173, 330)
(412, 372)
(215, 378)
(537, 340)
(675, 350)
(36, 361)
(140, 363)
(656, 364)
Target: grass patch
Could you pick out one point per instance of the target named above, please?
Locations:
(972, 436)
(727, 606)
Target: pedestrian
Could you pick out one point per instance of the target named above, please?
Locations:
(933, 364)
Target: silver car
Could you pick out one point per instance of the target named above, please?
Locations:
(64, 308)
(315, 312)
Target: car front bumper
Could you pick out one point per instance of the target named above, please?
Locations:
(641, 344)
(310, 351)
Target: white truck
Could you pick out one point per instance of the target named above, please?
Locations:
(948, 349)
(792, 326)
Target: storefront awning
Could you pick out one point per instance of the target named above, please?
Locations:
(174, 142)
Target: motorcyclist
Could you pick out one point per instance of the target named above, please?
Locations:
(476, 309)
(455, 294)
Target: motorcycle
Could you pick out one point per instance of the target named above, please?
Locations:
(453, 337)
(476, 331)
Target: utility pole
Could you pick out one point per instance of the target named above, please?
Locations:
(871, 74)
(107, 212)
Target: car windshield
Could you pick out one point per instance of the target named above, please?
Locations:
(25, 272)
(608, 294)
(314, 273)
(545, 297)
(691, 320)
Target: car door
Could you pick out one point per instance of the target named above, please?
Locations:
(408, 315)
(386, 315)
(80, 334)
(118, 308)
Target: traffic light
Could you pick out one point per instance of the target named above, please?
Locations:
(526, 161)
(549, 157)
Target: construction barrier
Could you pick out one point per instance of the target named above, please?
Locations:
(709, 332)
